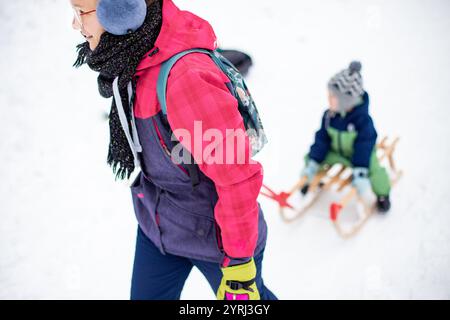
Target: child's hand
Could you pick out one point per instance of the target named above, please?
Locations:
(361, 180)
(310, 170)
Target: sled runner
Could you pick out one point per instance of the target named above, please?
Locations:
(338, 178)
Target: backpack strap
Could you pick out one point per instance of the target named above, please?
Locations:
(191, 167)
(161, 86)
(161, 91)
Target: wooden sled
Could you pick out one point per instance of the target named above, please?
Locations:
(339, 178)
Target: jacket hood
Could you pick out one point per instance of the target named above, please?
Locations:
(180, 31)
(363, 107)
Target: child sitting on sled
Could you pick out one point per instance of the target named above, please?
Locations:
(348, 136)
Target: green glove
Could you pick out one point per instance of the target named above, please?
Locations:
(238, 283)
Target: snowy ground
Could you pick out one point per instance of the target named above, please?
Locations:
(67, 229)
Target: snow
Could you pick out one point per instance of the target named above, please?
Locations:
(67, 229)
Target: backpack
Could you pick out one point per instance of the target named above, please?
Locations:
(239, 59)
(237, 88)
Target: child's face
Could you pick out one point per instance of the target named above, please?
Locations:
(333, 102)
(85, 20)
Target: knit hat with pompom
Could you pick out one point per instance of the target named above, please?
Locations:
(347, 86)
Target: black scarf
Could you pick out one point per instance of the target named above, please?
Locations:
(119, 56)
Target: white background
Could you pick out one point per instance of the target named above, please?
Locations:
(67, 230)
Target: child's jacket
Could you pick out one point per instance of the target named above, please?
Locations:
(352, 136)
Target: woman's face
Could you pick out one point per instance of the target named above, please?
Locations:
(85, 20)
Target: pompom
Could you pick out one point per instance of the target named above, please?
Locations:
(355, 66)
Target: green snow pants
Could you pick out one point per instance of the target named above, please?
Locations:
(379, 179)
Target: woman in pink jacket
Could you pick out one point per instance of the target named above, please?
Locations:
(202, 213)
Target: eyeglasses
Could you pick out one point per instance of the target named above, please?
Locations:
(79, 14)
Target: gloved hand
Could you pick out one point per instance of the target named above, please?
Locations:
(361, 180)
(310, 170)
(238, 283)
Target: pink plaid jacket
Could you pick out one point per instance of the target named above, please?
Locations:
(197, 91)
